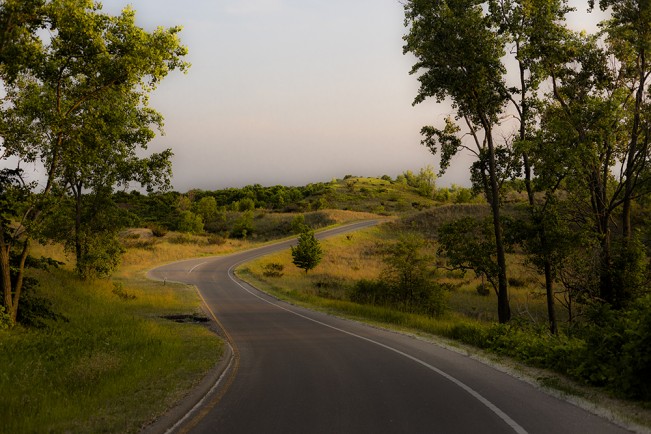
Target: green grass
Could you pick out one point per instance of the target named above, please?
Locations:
(470, 321)
(375, 195)
(113, 364)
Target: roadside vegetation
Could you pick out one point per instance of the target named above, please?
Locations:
(545, 259)
(104, 357)
(112, 354)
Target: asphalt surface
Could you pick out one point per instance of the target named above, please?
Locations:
(293, 370)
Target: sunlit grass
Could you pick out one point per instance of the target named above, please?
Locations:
(353, 257)
(113, 364)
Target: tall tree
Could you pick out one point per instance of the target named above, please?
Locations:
(533, 30)
(628, 34)
(593, 93)
(58, 113)
(460, 57)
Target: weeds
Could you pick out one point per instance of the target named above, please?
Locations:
(118, 289)
(110, 366)
(273, 269)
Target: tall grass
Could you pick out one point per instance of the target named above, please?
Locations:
(112, 365)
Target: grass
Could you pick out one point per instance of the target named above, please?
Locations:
(114, 364)
(469, 319)
(353, 257)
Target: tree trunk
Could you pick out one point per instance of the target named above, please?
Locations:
(5, 276)
(549, 290)
(605, 271)
(12, 290)
(634, 151)
(503, 307)
(78, 245)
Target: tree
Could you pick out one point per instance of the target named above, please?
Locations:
(207, 208)
(464, 49)
(460, 58)
(307, 253)
(468, 244)
(592, 103)
(408, 274)
(79, 110)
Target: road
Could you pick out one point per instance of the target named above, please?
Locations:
(298, 371)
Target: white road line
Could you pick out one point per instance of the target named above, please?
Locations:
(492, 407)
(192, 269)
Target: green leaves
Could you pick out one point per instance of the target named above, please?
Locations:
(446, 140)
(458, 56)
(308, 253)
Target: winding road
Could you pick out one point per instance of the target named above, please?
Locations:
(293, 370)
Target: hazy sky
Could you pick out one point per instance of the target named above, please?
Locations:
(289, 92)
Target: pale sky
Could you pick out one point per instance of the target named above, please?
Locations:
(290, 92)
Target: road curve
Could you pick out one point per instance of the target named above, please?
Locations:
(298, 371)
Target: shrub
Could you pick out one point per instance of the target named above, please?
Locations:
(273, 270)
(5, 319)
(34, 309)
(157, 230)
(190, 222)
(482, 289)
(618, 350)
(243, 225)
(370, 292)
(216, 240)
(118, 289)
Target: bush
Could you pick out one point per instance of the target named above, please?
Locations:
(216, 240)
(370, 292)
(190, 222)
(482, 289)
(34, 309)
(157, 230)
(5, 319)
(273, 270)
(618, 350)
(118, 289)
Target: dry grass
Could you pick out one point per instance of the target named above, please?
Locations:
(348, 259)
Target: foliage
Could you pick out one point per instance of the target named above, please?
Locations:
(424, 182)
(158, 230)
(460, 56)
(243, 226)
(206, 207)
(468, 244)
(273, 269)
(307, 253)
(75, 106)
(5, 318)
(190, 222)
(35, 309)
(406, 282)
(298, 224)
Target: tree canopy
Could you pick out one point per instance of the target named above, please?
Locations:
(76, 106)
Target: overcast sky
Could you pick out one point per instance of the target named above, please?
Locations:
(289, 92)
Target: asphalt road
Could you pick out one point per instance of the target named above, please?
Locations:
(298, 371)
